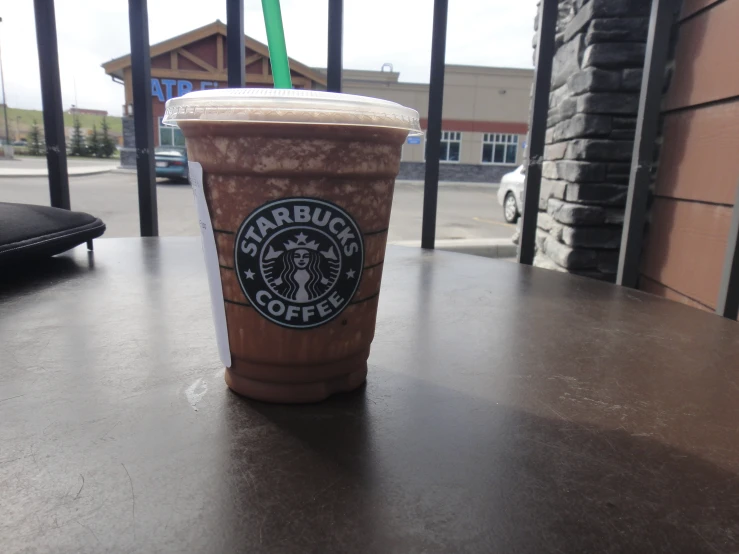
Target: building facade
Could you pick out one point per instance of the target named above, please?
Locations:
(485, 114)
(687, 249)
(484, 118)
(197, 60)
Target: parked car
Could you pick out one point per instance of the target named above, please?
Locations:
(171, 161)
(21, 142)
(510, 193)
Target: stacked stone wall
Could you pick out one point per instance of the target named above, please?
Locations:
(596, 79)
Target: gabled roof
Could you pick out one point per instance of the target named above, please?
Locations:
(117, 65)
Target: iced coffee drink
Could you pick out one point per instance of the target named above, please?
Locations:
(298, 187)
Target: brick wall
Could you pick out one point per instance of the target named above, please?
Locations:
(416, 171)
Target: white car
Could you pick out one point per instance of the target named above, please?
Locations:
(510, 193)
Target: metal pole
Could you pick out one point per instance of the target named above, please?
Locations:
(138, 21)
(433, 132)
(728, 296)
(537, 129)
(51, 100)
(647, 121)
(335, 31)
(5, 103)
(235, 43)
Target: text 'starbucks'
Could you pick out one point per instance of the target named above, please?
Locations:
(299, 261)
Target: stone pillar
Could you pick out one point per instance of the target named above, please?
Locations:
(596, 79)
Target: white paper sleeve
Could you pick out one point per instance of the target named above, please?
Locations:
(211, 263)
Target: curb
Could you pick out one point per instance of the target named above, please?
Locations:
(45, 173)
(91, 172)
(488, 248)
(470, 184)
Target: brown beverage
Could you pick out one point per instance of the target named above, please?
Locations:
(300, 213)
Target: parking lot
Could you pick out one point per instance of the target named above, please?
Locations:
(466, 211)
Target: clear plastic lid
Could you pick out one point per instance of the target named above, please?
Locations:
(264, 105)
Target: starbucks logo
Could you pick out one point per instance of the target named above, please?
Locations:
(299, 261)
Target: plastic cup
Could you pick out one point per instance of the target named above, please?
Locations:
(294, 191)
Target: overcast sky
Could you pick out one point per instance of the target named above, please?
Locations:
(90, 32)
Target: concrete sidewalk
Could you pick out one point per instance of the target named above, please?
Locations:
(451, 184)
(489, 248)
(71, 171)
(36, 166)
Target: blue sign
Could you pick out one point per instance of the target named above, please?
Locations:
(414, 140)
(164, 89)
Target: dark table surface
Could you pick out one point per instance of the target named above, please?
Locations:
(507, 409)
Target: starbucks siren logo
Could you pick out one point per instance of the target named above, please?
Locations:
(299, 261)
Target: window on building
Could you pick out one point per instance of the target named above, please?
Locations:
(451, 144)
(499, 148)
(170, 136)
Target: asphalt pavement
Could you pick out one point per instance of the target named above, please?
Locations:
(466, 212)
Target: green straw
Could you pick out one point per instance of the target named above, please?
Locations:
(276, 41)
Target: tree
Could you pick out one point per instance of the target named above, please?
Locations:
(78, 141)
(34, 140)
(94, 146)
(107, 144)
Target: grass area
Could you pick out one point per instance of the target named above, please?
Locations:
(26, 118)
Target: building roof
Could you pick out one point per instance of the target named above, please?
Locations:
(393, 77)
(488, 70)
(117, 65)
(365, 75)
